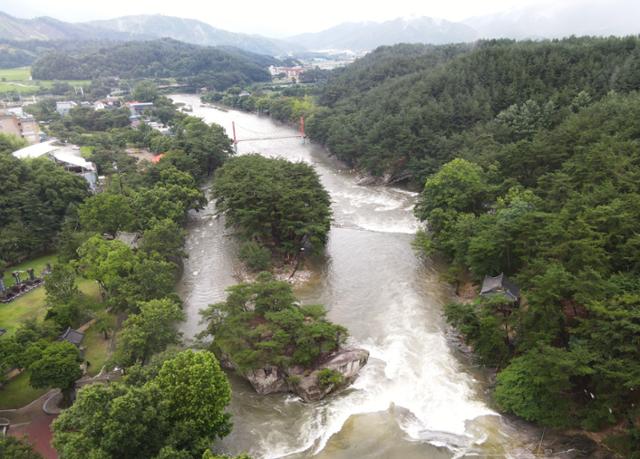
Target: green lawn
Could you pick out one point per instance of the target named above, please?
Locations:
(29, 306)
(17, 80)
(96, 349)
(38, 264)
(32, 305)
(18, 393)
(15, 74)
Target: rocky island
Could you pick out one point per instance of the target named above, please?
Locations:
(278, 345)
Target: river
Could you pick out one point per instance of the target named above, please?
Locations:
(415, 398)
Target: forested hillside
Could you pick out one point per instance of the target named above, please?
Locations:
(408, 109)
(530, 158)
(166, 58)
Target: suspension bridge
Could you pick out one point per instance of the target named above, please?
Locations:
(300, 135)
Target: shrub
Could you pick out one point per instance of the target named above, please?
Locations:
(255, 256)
(328, 377)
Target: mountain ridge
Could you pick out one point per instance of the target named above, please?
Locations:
(365, 36)
(139, 27)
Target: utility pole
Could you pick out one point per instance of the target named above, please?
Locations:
(235, 139)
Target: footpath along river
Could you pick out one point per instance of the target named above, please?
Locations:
(415, 398)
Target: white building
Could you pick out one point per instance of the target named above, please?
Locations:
(68, 156)
(63, 107)
(17, 123)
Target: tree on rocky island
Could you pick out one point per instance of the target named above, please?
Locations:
(262, 324)
(263, 333)
(277, 203)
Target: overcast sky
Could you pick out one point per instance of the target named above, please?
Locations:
(275, 18)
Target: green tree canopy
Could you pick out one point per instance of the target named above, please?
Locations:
(149, 331)
(273, 201)
(181, 410)
(261, 324)
(14, 448)
(107, 213)
(58, 366)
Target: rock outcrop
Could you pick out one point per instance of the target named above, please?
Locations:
(347, 362)
(305, 382)
(267, 380)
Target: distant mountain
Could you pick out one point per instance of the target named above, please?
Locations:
(46, 28)
(561, 19)
(142, 27)
(192, 31)
(364, 36)
(195, 65)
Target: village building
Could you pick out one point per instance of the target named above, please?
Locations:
(20, 125)
(68, 156)
(63, 107)
(290, 73)
(138, 108)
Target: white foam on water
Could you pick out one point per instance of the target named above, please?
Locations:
(410, 369)
(406, 227)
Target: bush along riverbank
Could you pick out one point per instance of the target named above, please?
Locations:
(278, 345)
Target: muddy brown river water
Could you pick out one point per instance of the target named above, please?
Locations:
(415, 398)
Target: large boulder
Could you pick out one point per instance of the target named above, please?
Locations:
(267, 380)
(305, 382)
(346, 362)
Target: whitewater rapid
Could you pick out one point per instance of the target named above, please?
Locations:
(414, 398)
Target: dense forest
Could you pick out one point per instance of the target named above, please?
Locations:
(195, 65)
(558, 211)
(34, 198)
(408, 109)
(530, 158)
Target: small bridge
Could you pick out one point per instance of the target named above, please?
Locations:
(300, 135)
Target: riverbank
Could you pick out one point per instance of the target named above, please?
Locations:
(565, 443)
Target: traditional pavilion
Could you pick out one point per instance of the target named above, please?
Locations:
(500, 285)
(73, 336)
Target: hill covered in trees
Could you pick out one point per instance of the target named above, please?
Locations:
(408, 109)
(139, 27)
(166, 58)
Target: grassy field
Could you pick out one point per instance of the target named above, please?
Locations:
(96, 349)
(16, 74)
(18, 80)
(18, 393)
(32, 305)
(38, 264)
